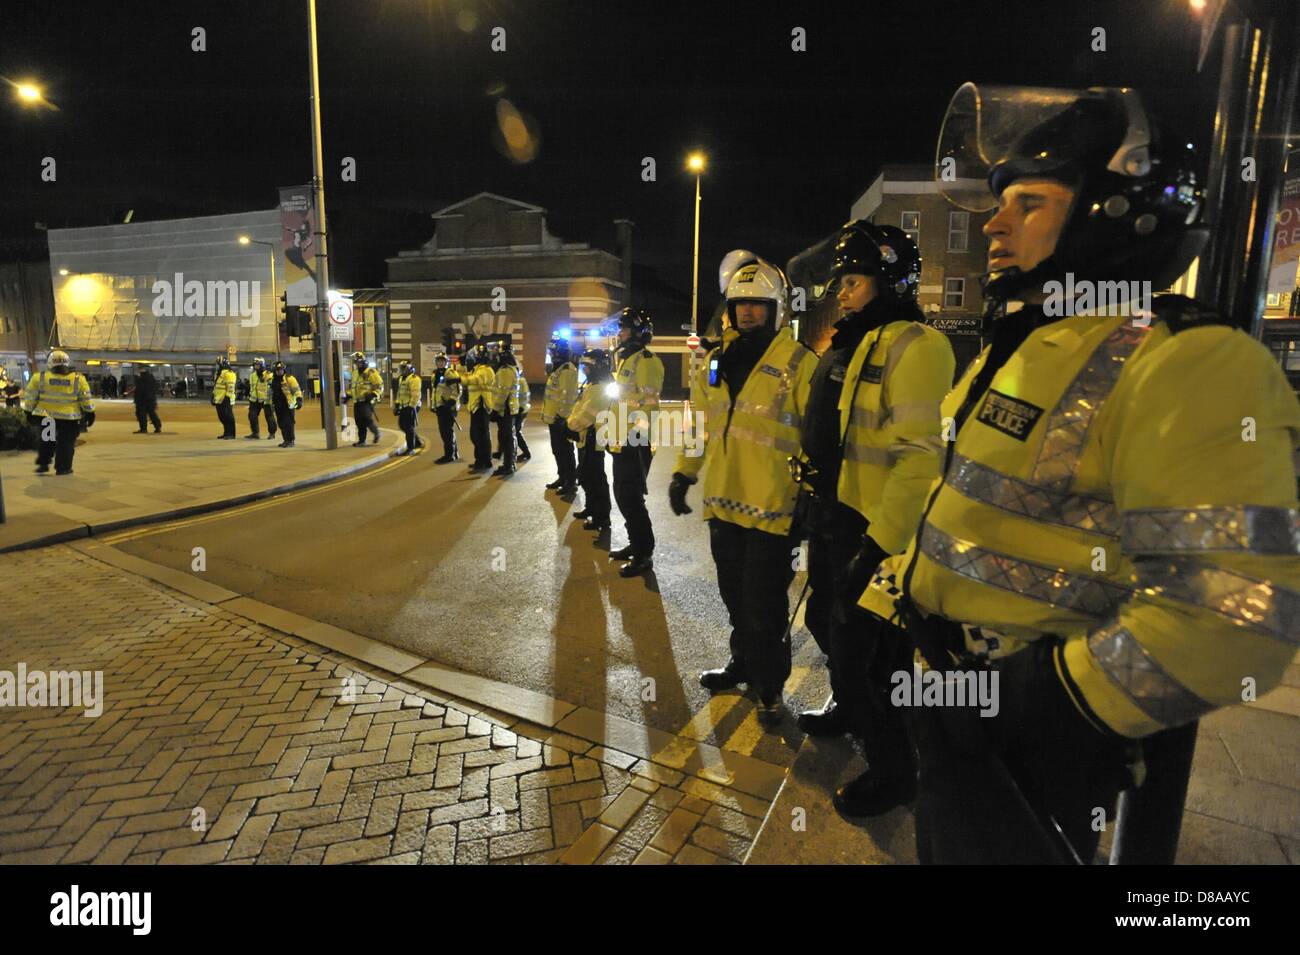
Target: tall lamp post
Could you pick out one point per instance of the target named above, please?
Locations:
(327, 390)
(245, 240)
(695, 163)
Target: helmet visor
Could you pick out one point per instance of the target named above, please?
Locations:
(982, 128)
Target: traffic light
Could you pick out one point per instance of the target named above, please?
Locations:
(296, 321)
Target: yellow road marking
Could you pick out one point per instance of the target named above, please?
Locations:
(750, 732)
(133, 534)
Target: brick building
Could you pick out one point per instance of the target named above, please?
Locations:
(492, 266)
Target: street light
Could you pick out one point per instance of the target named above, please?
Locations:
(29, 93)
(245, 240)
(695, 163)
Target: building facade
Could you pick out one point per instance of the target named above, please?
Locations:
(492, 266)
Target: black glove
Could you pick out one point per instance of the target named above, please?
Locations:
(857, 575)
(677, 489)
(89, 418)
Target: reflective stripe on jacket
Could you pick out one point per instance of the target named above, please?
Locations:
(561, 393)
(747, 478)
(448, 389)
(224, 386)
(259, 387)
(65, 396)
(1132, 492)
(505, 398)
(640, 379)
(366, 385)
(893, 446)
(408, 391)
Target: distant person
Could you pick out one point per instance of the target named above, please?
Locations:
(524, 396)
(367, 389)
(146, 402)
(446, 396)
(180, 390)
(57, 402)
(259, 400)
(408, 407)
(9, 389)
(286, 396)
(223, 398)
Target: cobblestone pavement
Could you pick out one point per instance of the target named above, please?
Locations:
(223, 741)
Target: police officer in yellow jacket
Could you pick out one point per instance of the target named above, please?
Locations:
(639, 377)
(407, 405)
(750, 396)
(366, 389)
(57, 402)
(446, 402)
(505, 405)
(592, 403)
(872, 440)
(524, 404)
(223, 398)
(259, 400)
(286, 397)
(1115, 534)
(561, 393)
(480, 379)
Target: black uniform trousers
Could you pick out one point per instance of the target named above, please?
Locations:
(446, 413)
(862, 653)
(519, 435)
(480, 437)
(506, 439)
(364, 411)
(408, 420)
(255, 411)
(285, 416)
(226, 415)
(63, 445)
(591, 475)
(631, 469)
(754, 573)
(562, 450)
(995, 789)
(147, 411)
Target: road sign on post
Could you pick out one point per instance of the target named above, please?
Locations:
(693, 342)
(341, 320)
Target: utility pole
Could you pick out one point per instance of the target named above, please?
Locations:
(327, 390)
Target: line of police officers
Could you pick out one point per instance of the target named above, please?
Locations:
(1101, 513)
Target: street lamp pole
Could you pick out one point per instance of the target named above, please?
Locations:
(695, 266)
(695, 163)
(327, 390)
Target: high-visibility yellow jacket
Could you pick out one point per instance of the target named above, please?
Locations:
(640, 379)
(408, 391)
(593, 401)
(893, 445)
(479, 384)
(448, 388)
(65, 396)
(290, 393)
(1132, 492)
(366, 385)
(747, 442)
(259, 387)
(561, 392)
(505, 393)
(524, 394)
(224, 387)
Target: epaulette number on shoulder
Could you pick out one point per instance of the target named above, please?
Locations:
(1180, 313)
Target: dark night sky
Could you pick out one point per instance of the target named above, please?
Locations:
(145, 123)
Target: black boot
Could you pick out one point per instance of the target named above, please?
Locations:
(875, 793)
(636, 567)
(595, 524)
(623, 553)
(829, 721)
(557, 483)
(722, 679)
(582, 514)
